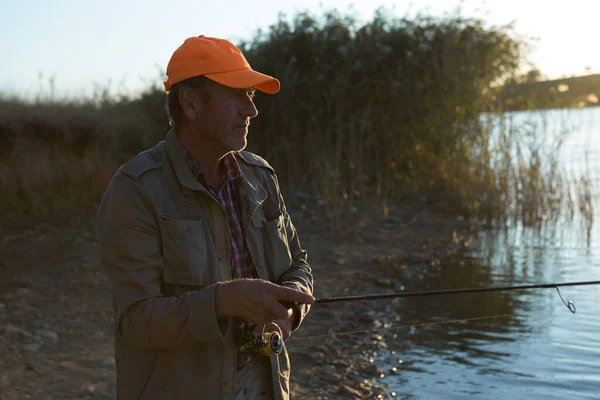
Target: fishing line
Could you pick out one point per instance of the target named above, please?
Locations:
(399, 327)
(568, 303)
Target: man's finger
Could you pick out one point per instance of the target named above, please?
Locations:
(293, 295)
(279, 311)
(284, 326)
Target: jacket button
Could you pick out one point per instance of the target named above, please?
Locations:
(163, 389)
(224, 383)
(156, 156)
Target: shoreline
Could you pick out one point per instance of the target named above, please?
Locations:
(379, 258)
(56, 317)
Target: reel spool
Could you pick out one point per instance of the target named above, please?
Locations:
(262, 344)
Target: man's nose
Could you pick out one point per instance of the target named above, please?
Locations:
(249, 109)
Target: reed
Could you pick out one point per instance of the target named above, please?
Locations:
(394, 110)
(531, 175)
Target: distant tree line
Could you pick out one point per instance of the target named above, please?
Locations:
(532, 92)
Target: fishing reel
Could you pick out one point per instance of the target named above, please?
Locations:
(260, 344)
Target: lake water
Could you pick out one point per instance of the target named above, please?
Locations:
(540, 350)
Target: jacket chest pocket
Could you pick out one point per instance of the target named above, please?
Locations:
(277, 251)
(189, 252)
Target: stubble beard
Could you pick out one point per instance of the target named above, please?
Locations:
(233, 141)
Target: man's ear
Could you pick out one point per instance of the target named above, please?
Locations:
(189, 103)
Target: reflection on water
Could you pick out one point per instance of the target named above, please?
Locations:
(541, 350)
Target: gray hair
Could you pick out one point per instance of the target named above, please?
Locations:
(173, 106)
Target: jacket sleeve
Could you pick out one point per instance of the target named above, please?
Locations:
(130, 254)
(299, 275)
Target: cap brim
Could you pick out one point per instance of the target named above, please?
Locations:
(246, 78)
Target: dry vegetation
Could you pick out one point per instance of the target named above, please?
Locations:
(369, 116)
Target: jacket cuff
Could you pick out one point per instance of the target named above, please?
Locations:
(203, 322)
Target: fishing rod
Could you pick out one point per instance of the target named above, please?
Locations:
(570, 305)
(566, 301)
(326, 300)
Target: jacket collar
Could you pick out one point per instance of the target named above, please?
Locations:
(182, 169)
(247, 182)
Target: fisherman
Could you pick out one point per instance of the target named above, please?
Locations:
(197, 243)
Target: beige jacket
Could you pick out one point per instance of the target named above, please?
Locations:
(164, 244)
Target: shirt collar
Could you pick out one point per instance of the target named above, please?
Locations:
(232, 168)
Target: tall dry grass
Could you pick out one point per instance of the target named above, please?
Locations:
(378, 113)
(369, 116)
(57, 156)
(535, 179)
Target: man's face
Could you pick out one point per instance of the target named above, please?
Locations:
(225, 117)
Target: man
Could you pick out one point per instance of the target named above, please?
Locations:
(197, 243)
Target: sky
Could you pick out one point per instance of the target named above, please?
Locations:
(124, 46)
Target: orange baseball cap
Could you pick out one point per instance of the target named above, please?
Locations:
(220, 61)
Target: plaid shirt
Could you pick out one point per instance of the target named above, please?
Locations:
(241, 260)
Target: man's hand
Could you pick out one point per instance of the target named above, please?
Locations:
(257, 301)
